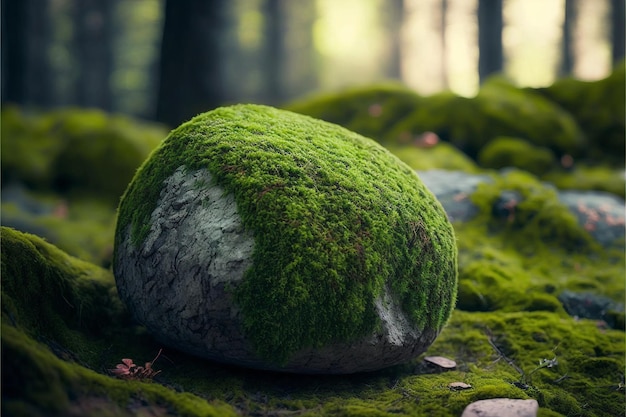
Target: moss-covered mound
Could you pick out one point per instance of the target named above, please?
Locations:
(69, 151)
(499, 109)
(335, 217)
(599, 108)
(61, 317)
(505, 152)
(571, 367)
(371, 111)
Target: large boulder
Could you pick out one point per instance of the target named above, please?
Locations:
(268, 239)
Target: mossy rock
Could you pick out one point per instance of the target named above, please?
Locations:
(599, 108)
(590, 177)
(443, 155)
(74, 150)
(336, 242)
(371, 111)
(499, 109)
(503, 152)
(533, 216)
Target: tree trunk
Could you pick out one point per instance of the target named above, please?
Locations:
(444, 60)
(490, 58)
(93, 43)
(39, 72)
(14, 34)
(191, 76)
(618, 10)
(394, 19)
(300, 65)
(274, 57)
(567, 58)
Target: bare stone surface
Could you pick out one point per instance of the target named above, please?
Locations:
(502, 407)
(195, 248)
(195, 254)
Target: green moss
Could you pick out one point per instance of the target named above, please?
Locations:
(371, 111)
(537, 220)
(598, 106)
(498, 110)
(586, 380)
(37, 383)
(74, 150)
(317, 198)
(585, 177)
(82, 226)
(71, 296)
(441, 156)
(505, 152)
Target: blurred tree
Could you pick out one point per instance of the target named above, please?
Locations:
(14, 30)
(444, 24)
(26, 73)
(191, 74)
(393, 19)
(618, 12)
(567, 57)
(300, 75)
(94, 54)
(490, 58)
(274, 57)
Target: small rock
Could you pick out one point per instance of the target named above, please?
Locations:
(458, 386)
(502, 407)
(441, 362)
(587, 305)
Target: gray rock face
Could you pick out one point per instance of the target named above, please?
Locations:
(600, 213)
(195, 254)
(196, 247)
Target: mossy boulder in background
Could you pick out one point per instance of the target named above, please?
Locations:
(371, 111)
(268, 239)
(74, 150)
(599, 108)
(499, 109)
(505, 152)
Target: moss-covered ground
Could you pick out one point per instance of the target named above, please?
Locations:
(63, 325)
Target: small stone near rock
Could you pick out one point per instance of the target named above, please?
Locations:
(502, 407)
(441, 362)
(458, 386)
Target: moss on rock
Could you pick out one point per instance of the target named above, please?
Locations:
(599, 108)
(499, 109)
(505, 152)
(533, 219)
(335, 218)
(74, 150)
(371, 111)
(590, 177)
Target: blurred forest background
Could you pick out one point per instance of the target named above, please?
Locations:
(167, 60)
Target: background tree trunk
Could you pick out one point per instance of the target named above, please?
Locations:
(39, 77)
(490, 57)
(191, 77)
(444, 60)
(394, 15)
(274, 58)
(93, 49)
(14, 32)
(567, 51)
(618, 10)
